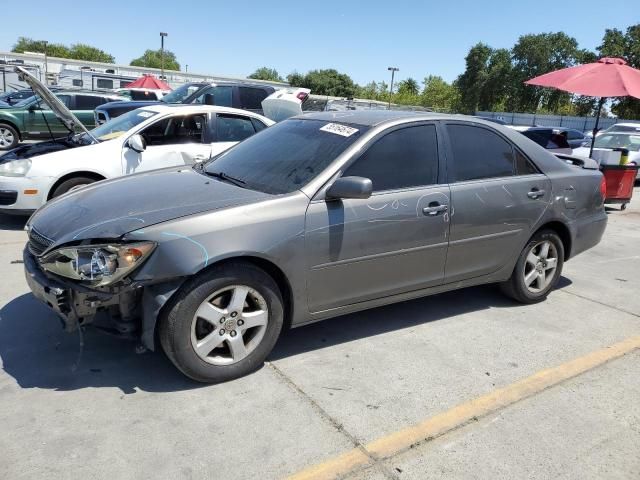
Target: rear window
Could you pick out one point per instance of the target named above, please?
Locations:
(251, 98)
(285, 157)
(88, 102)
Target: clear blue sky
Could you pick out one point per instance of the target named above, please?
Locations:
(360, 38)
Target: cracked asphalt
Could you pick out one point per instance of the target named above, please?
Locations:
(89, 406)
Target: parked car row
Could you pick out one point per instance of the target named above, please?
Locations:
(149, 138)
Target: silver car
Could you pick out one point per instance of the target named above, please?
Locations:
(318, 216)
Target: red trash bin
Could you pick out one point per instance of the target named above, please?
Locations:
(620, 180)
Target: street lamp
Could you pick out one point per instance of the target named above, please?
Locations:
(46, 67)
(393, 70)
(162, 35)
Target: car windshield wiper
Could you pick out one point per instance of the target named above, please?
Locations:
(223, 176)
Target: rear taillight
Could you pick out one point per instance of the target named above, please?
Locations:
(603, 187)
(302, 96)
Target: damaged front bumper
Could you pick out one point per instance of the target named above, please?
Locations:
(78, 305)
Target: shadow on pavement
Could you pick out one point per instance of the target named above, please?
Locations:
(39, 354)
(12, 222)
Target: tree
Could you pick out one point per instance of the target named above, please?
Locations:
(295, 79)
(471, 82)
(438, 94)
(537, 54)
(325, 82)
(625, 45)
(265, 73)
(78, 51)
(496, 89)
(408, 87)
(152, 59)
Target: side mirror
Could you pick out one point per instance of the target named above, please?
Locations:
(350, 187)
(33, 107)
(209, 99)
(137, 143)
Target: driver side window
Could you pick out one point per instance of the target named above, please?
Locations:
(175, 130)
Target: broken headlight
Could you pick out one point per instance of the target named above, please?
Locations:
(97, 265)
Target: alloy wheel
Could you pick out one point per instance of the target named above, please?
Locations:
(229, 325)
(540, 266)
(6, 137)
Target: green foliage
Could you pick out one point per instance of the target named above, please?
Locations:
(471, 82)
(408, 87)
(325, 82)
(77, 51)
(266, 73)
(626, 45)
(439, 95)
(152, 59)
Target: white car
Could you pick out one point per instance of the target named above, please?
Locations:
(149, 138)
(607, 142)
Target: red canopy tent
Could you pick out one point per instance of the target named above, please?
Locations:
(149, 81)
(608, 77)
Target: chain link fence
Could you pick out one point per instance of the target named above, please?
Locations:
(533, 119)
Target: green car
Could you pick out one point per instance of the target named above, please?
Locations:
(32, 119)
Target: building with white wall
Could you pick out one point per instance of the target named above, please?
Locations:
(69, 73)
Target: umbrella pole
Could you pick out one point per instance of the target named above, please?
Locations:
(595, 127)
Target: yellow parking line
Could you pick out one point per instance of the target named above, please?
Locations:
(442, 423)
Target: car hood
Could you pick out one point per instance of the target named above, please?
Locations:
(35, 149)
(110, 209)
(58, 108)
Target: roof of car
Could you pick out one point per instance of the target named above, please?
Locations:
(372, 118)
(191, 108)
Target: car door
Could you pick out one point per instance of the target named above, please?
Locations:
(41, 122)
(497, 197)
(393, 242)
(231, 129)
(170, 141)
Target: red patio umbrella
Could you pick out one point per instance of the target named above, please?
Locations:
(608, 77)
(149, 81)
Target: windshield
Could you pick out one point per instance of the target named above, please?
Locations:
(286, 156)
(624, 128)
(181, 93)
(118, 126)
(25, 102)
(630, 142)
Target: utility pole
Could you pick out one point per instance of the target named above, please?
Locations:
(162, 35)
(46, 66)
(393, 70)
(186, 68)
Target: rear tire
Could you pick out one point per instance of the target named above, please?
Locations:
(223, 323)
(538, 269)
(71, 184)
(9, 137)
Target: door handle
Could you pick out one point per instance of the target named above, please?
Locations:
(434, 210)
(535, 193)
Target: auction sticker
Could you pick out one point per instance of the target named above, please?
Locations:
(339, 129)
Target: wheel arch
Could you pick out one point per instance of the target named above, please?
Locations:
(12, 125)
(81, 173)
(273, 270)
(563, 232)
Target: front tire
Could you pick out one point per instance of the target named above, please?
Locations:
(9, 137)
(223, 323)
(538, 269)
(71, 184)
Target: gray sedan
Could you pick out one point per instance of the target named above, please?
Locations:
(315, 217)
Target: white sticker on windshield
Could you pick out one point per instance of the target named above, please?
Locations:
(145, 114)
(339, 129)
